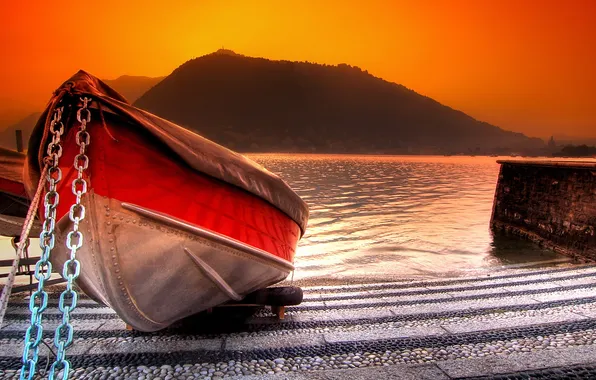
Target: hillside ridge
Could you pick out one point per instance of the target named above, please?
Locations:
(260, 105)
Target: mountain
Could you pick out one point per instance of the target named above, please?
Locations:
(10, 116)
(260, 105)
(11, 113)
(132, 87)
(8, 135)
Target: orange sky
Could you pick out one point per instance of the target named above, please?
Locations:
(524, 65)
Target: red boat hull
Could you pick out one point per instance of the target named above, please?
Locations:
(129, 165)
(174, 223)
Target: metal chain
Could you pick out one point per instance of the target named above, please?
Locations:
(43, 269)
(74, 240)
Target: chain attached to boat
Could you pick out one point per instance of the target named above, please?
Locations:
(63, 335)
(74, 240)
(43, 268)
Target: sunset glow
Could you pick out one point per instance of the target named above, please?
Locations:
(527, 66)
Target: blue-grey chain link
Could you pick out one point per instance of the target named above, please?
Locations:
(74, 240)
(43, 269)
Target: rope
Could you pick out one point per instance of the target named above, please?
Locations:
(27, 225)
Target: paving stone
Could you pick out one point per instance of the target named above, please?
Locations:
(266, 342)
(493, 324)
(380, 334)
(566, 295)
(518, 362)
(394, 372)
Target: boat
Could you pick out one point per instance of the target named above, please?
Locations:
(14, 201)
(169, 223)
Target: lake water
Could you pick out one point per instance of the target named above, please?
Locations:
(392, 217)
(387, 217)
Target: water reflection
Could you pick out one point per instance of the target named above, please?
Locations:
(397, 216)
(516, 251)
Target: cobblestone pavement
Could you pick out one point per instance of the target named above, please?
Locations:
(512, 324)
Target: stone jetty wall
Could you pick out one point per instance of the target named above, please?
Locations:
(552, 203)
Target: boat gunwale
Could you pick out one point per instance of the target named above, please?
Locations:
(207, 234)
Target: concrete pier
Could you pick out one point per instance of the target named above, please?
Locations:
(509, 323)
(552, 203)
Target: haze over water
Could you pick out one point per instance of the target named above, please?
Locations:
(388, 217)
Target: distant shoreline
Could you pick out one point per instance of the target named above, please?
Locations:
(410, 155)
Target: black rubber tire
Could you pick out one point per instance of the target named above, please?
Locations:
(278, 296)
